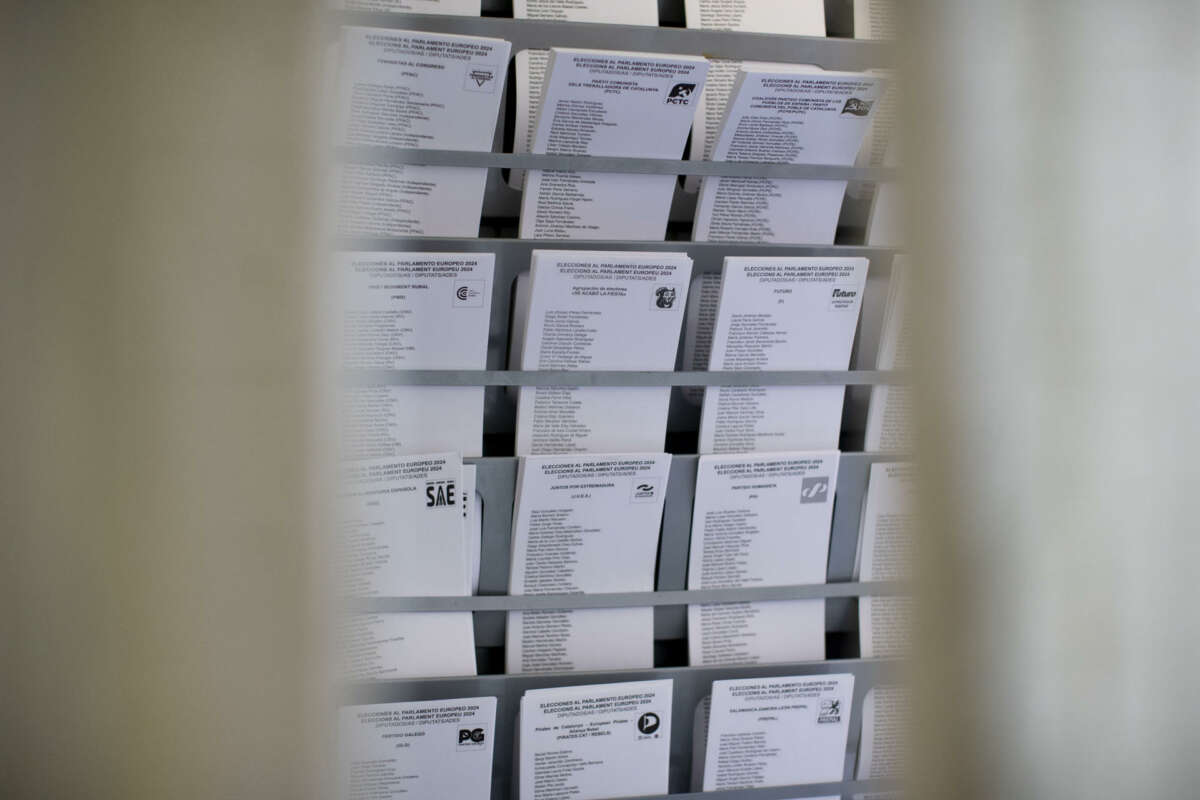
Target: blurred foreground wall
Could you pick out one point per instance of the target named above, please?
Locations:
(1054, 147)
(157, 626)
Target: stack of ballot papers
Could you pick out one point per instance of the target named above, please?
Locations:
(885, 224)
(787, 17)
(760, 520)
(597, 311)
(458, 8)
(883, 750)
(607, 103)
(781, 314)
(875, 19)
(785, 115)
(404, 534)
(404, 311)
(425, 750)
(585, 524)
(885, 549)
(704, 297)
(889, 416)
(415, 89)
(777, 731)
(531, 64)
(592, 742)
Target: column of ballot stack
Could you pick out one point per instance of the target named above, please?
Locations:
(592, 462)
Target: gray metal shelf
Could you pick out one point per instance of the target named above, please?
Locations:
(378, 154)
(457, 377)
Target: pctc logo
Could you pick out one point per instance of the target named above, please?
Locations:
(680, 94)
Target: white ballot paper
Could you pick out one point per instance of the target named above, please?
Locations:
(777, 731)
(458, 8)
(402, 527)
(425, 750)
(760, 520)
(790, 17)
(885, 224)
(606, 103)
(699, 320)
(415, 89)
(585, 524)
(781, 314)
(889, 415)
(886, 541)
(875, 19)
(531, 64)
(883, 750)
(592, 742)
(402, 535)
(599, 311)
(414, 311)
(785, 115)
(384, 647)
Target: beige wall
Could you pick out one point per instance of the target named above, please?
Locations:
(157, 626)
(1054, 146)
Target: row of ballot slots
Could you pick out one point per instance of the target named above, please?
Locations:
(591, 524)
(413, 89)
(615, 310)
(613, 740)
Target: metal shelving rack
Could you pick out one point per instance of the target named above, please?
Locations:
(497, 475)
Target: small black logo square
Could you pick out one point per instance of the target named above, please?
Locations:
(681, 94)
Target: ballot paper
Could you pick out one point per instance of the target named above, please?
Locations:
(599, 311)
(425, 750)
(531, 64)
(886, 541)
(777, 731)
(889, 416)
(402, 536)
(877, 142)
(885, 224)
(415, 89)
(607, 103)
(585, 524)
(781, 314)
(883, 750)
(458, 8)
(383, 647)
(789, 17)
(390, 646)
(704, 297)
(406, 311)
(760, 520)
(591, 742)
(875, 19)
(785, 115)
(401, 526)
